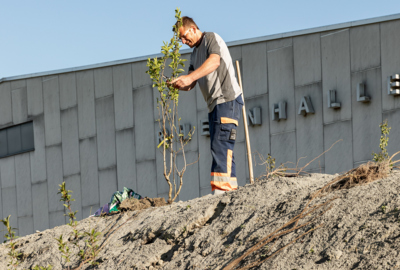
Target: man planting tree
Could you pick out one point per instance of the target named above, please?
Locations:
(211, 67)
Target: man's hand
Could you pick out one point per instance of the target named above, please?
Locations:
(187, 82)
(182, 82)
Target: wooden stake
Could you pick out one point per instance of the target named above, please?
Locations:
(246, 129)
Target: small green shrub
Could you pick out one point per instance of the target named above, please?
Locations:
(15, 256)
(383, 155)
(42, 268)
(91, 250)
(10, 236)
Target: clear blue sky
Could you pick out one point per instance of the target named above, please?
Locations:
(40, 35)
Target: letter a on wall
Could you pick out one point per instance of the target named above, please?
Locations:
(305, 106)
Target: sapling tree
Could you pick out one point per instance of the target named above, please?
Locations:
(383, 143)
(10, 236)
(172, 138)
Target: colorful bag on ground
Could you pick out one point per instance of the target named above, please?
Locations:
(116, 200)
(118, 197)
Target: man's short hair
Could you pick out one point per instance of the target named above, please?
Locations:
(187, 21)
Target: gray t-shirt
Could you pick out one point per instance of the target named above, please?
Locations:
(220, 85)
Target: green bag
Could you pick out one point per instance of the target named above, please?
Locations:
(118, 197)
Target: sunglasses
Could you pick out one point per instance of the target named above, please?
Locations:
(184, 35)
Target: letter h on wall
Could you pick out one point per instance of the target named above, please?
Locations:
(393, 85)
(279, 111)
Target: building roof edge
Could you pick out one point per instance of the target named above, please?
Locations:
(231, 43)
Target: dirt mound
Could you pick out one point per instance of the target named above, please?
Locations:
(359, 231)
(133, 204)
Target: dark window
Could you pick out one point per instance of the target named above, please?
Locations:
(16, 139)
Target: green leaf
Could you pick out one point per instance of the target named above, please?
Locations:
(161, 143)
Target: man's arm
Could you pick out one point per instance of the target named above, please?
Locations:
(185, 82)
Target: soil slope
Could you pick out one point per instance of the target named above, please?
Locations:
(360, 231)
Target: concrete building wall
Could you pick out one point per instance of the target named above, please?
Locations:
(96, 129)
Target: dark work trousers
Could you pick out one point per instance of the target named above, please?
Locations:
(223, 122)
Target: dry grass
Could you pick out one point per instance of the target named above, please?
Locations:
(284, 170)
(362, 175)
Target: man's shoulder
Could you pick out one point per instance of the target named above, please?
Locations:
(212, 35)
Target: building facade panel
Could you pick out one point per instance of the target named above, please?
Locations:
(25, 225)
(52, 120)
(73, 183)
(307, 59)
(1, 214)
(23, 183)
(17, 84)
(205, 191)
(335, 53)
(393, 119)
(68, 93)
(390, 60)
(205, 159)
(283, 149)
(201, 103)
(40, 206)
(90, 209)
(38, 157)
(7, 172)
(107, 184)
(309, 127)
(19, 105)
(56, 218)
(340, 158)
(5, 103)
(144, 127)
(259, 134)
(103, 82)
(122, 82)
(9, 204)
(126, 160)
(70, 141)
(86, 106)
(89, 172)
(279, 43)
(188, 115)
(35, 96)
(162, 186)
(366, 115)
(254, 76)
(281, 87)
(145, 175)
(105, 124)
(54, 176)
(139, 76)
(236, 55)
(240, 162)
(190, 187)
(365, 49)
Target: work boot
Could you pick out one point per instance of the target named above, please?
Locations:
(219, 192)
